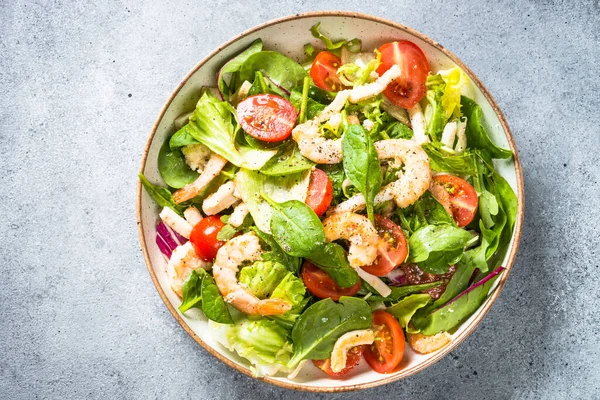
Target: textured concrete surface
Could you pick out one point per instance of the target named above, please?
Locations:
(81, 84)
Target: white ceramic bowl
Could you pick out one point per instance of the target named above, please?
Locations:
(288, 35)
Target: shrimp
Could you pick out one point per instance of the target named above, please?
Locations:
(411, 184)
(314, 146)
(229, 257)
(359, 231)
(182, 262)
(428, 344)
(214, 165)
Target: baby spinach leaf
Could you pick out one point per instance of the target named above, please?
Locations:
(322, 324)
(192, 290)
(235, 64)
(406, 308)
(399, 292)
(331, 258)
(162, 196)
(281, 70)
(259, 86)
(182, 138)
(296, 227)
(456, 311)
(435, 247)
(173, 168)
(361, 164)
(313, 107)
(200, 290)
(287, 161)
(477, 136)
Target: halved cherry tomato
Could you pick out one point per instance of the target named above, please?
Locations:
(267, 117)
(409, 88)
(324, 71)
(463, 198)
(321, 285)
(352, 359)
(387, 350)
(392, 248)
(320, 191)
(204, 237)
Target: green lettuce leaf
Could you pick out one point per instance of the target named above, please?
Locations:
(434, 112)
(435, 247)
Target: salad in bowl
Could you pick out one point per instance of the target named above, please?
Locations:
(338, 210)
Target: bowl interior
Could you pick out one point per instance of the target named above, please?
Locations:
(288, 36)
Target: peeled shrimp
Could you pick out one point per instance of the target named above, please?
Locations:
(214, 165)
(229, 257)
(182, 262)
(428, 344)
(359, 231)
(411, 184)
(314, 146)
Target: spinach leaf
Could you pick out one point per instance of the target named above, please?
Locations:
(287, 161)
(281, 70)
(331, 258)
(456, 311)
(361, 164)
(477, 136)
(192, 290)
(259, 86)
(353, 45)
(406, 308)
(276, 254)
(296, 227)
(200, 290)
(235, 64)
(162, 196)
(435, 247)
(182, 138)
(464, 164)
(313, 107)
(318, 328)
(399, 292)
(173, 168)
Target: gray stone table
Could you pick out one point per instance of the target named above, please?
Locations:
(81, 84)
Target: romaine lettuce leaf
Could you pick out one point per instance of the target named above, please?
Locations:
(434, 111)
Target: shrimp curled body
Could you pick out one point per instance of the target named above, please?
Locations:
(229, 257)
(359, 231)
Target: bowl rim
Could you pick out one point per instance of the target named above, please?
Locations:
(486, 306)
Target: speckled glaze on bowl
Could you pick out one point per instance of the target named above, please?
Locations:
(288, 35)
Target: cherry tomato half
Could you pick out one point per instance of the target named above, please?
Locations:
(320, 192)
(324, 71)
(204, 237)
(267, 117)
(352, 359)
(409, 88)
(392, 248)
(463, 198)
(321, 285)
(387, 350)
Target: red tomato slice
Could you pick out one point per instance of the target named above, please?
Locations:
(409, 88)
(321, 285)
(267, 117)
(352, 359)
(463, 198)
(324, 71)
(387, 350)
(320, 192)
(204, 237)
(392, 249)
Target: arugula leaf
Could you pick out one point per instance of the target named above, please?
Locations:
(287, 161)
(397, 130)
(173, 168)
(200, 290)
(281, 70)
(477, 136)
(331, 258)
(336, 174)
(235, 64)
(162, 196)
(406, 308)
(276, 253)
(464, 164)
(361, 164)
(296, 227)
(353, 45)
(399, 292)
(425, 211)
(435, 247)
(322, 324)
